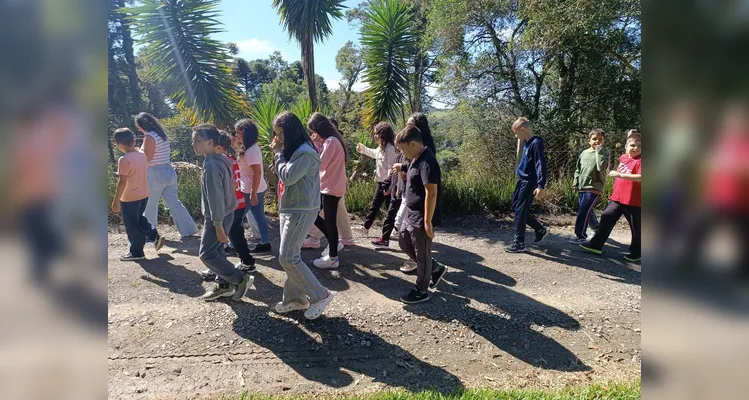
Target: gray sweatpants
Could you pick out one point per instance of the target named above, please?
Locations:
(212, 252)
(418, 246)
(301, 283)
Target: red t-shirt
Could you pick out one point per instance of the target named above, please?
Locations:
(625, 191)
(237, 191)
(728, 182)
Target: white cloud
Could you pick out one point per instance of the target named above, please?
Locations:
(255, 46)
(333, 84)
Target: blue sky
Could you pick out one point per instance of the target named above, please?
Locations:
(255, 27)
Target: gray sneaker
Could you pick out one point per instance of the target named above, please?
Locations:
(218, 291)
(241, 289)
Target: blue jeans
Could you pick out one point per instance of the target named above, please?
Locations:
(585, 214)
(162, 182)
(138, 229)
(258, 212)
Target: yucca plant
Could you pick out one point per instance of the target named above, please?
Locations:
(302, 108)
(264, 111)
(388, 44)
(177, 33)
(309, 21)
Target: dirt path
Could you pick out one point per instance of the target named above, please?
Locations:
(549, 318)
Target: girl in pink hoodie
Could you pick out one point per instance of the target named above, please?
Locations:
(332, 184)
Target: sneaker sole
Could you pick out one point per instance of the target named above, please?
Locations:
(290, 308)
(159, 243)
(327, 301)
(415, 302)
(633, 259)
(591, 250)
(439, 279)
(212, 298)
(548, 231)
(250, 284)
(525, 250)
(326, 266)
(132, 258)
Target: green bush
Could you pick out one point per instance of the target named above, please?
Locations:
(359, 194)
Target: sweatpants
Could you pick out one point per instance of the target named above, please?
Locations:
(379, 199)
(418, 246)
(614, 210)
(586, 214)
(237, 240)
(139, 230)
(212, 252)
(301, 283)
(328, 225)
(389, 224)
(522, 199)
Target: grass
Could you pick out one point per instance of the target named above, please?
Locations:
(602, 391)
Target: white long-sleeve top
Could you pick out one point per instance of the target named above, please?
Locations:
(384, 160)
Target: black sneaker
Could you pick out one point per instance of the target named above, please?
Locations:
(207, 275)
(516, 248)
(414, 296)
(131, 257)
(437, 276)
(159, 242)
(261, 248)
(632, 258)
(381, 242)
(230, 251)
(246, 267)
(540, 235)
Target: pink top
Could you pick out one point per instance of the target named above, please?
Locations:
(332, 168)
(133, 165)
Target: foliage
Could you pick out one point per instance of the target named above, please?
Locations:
(309, 21)
(178, 36)
(264, 111)
(448, 160)
(388, 42)
(179, 130)
(349, 63)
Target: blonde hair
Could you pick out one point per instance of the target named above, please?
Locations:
(521, 122)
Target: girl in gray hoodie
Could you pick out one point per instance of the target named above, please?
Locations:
(297, 165)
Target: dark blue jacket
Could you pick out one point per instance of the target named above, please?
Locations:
(532, 166)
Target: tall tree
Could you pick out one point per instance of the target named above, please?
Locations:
(127, 46)
(349, 64)
(309, 21)
(387, 45)
(177, 34)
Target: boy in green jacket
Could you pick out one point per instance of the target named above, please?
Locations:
(589, 183)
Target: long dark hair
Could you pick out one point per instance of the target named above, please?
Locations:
(249, 133)
(294, 134)
(322, 125)
(149, 123)
(385, 131)
(420, 120)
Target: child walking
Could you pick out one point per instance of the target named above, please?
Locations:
(131, 196)
(589, 183)
(297, 165)
(218, 202)
(626, 200)
(332, 184)
(384, 155)
(252, 180)
(423, 179)
(531, 184)
(395, 186)
(236, 233)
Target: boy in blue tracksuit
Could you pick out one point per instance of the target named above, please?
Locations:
(531, 184)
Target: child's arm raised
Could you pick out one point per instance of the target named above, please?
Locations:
(371, 153)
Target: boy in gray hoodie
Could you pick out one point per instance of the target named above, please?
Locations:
(218, 202)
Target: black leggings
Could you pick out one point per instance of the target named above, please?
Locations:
(379, 199)
(237, 239)
(328, 225)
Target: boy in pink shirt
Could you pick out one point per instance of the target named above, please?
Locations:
(131, 196)
(332, 184)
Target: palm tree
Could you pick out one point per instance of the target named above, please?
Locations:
(309, 21)
(388, 45)
(177, 33)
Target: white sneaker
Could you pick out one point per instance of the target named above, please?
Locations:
(326, 263)
(409, 266)
(282, 308)
(327, 249)
(311, 243)
(316, 309)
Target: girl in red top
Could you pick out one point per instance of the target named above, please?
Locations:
(625, 200)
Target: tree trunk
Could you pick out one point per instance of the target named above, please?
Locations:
(132, 74)
(308, 66)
